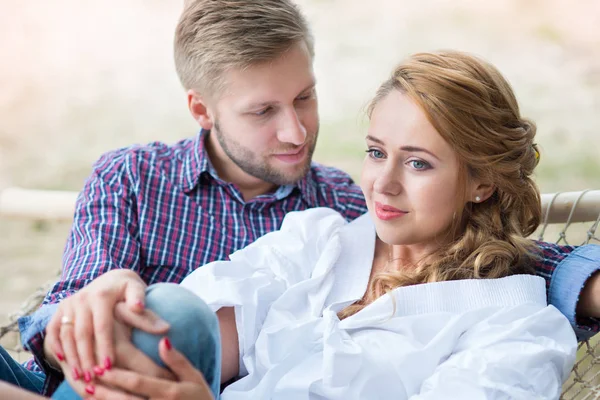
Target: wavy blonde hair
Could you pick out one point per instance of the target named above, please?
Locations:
(474, 109)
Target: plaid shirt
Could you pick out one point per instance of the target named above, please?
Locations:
(162, 211)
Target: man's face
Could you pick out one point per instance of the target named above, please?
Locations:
(266, 120)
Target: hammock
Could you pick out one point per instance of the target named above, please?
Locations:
(575, 212)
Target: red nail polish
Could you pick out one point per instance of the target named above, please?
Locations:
(107, 363)
(168, 344)
(60, 356)
(140, 304)
(87, 377)
(89, 389)
(76, 374)
(98, 371)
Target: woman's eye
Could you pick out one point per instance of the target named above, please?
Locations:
(419, 165)
(374, 153)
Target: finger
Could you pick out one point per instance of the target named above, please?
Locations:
(179, 364)
(131, 358)
(79, 386)
(101, 392)
(84, 340)
(146, 320)
(135, 383)
(103, 321)
(52, 338)
(135, 294)
(67, 339)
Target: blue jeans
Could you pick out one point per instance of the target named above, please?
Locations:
(194, 331)
(16, 374)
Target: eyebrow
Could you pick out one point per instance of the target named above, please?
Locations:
(413, 149)
(271, 103)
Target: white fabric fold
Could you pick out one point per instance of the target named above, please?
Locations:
(469, 339)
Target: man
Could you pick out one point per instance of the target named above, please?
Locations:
(161, 211)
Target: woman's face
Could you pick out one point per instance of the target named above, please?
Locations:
(410, 176)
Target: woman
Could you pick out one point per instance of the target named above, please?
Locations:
(430, 295)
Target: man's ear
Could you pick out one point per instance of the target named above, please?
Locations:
(481, 191)
(200, 110)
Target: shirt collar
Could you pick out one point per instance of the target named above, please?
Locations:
(308, 188)
(197, 162)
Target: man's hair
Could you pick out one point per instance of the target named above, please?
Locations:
(213, 36)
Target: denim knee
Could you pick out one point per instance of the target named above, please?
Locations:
(194, 327)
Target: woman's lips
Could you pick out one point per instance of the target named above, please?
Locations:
(387, 213)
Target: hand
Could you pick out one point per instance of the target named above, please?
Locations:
(589, 300)
(127, 356)
(80, 335)
(120, 384)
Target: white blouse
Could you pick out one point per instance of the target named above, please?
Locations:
(468, 339)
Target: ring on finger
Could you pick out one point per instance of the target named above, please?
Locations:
(66, 320)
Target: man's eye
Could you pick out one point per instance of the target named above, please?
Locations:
(262, 112)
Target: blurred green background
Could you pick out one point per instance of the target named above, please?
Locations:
(81, 77)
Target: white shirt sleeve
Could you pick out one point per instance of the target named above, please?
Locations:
(259, 274)
(514, 354)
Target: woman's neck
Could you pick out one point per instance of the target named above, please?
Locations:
(399, 257)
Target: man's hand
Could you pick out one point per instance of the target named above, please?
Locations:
(80, 335)
(589, 300)
(120, 384)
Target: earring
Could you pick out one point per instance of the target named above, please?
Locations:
(477, 199)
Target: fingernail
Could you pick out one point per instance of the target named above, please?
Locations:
(60, 356)
(107, 363)
(98, 371)
(89, 389)
(76, 374)
(140, 304)
(168, 344)
(87, 377)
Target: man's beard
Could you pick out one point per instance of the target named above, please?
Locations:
(257, 166)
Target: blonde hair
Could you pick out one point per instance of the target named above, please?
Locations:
(213, 36)
(474, 109)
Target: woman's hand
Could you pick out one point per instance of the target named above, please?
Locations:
(119, 384)
(127, 356)
(80, 335)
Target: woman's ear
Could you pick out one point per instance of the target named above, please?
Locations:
(481, 192)
(199, 110)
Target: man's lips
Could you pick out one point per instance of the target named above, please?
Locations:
(386, 212)
(292, 157)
